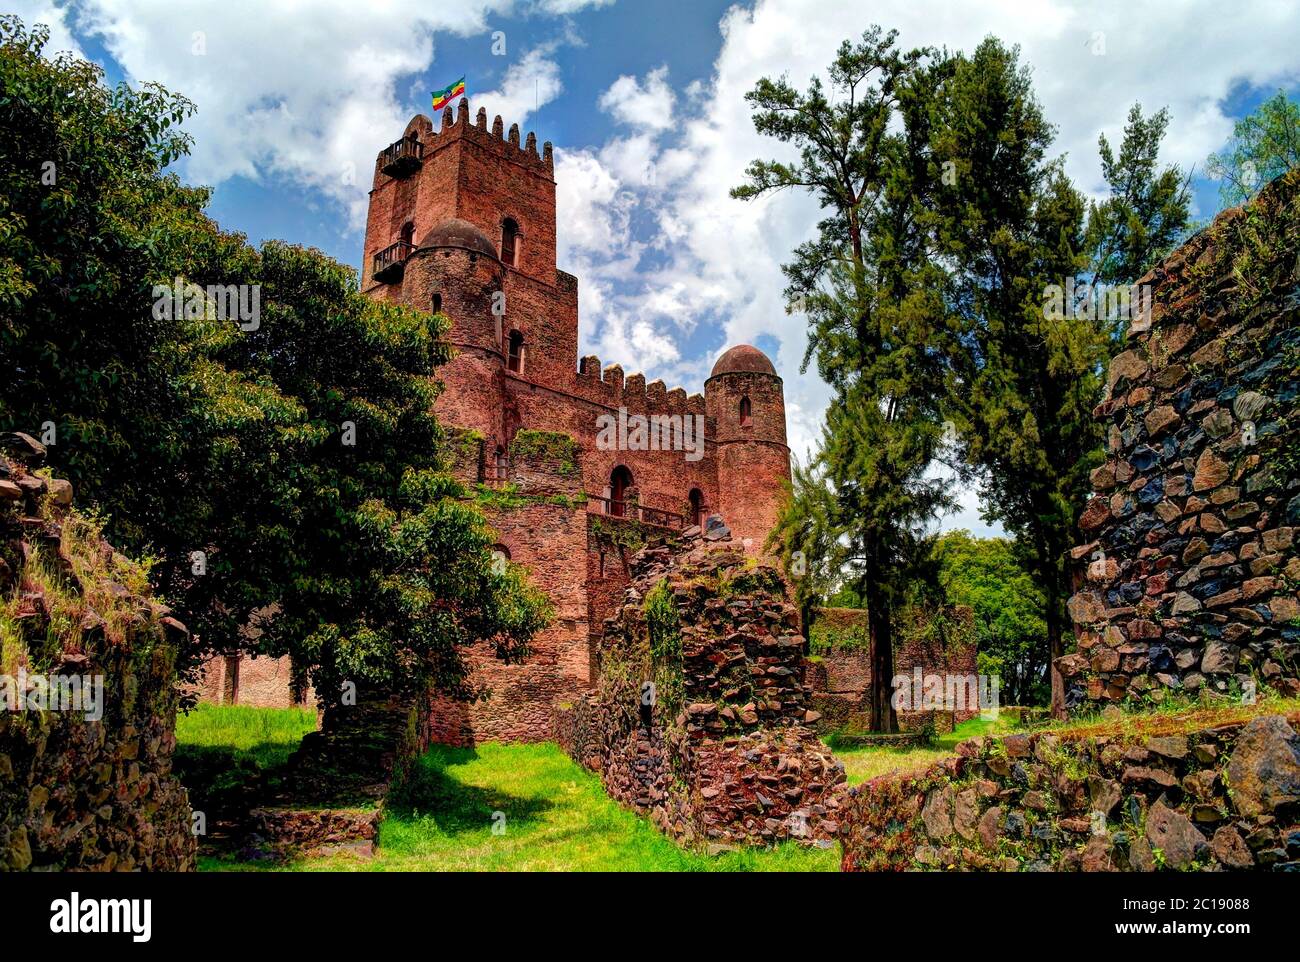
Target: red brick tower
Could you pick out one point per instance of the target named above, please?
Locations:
(744, 399)
(462, 220)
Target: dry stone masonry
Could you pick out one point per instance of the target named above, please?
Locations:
(78, 793)
(1191, 569)
(1218, 798)
(702, 714)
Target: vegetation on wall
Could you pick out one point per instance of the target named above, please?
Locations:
(554, 446)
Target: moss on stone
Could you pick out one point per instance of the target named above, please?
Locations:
(554, 446)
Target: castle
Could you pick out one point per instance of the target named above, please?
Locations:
(574, 464)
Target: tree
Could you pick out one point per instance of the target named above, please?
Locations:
(1146, 214)
(288, 466)
(1023, 379)
(1264, 145)
(986, 575)
(807, 539)
(871, 300)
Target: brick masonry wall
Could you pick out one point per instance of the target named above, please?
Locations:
(256, 680)
(542, 524)
(481, 174)
(1190, 570)
(80, 794)
(1091, 803)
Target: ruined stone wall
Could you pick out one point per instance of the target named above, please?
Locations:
(701, 717)
(841, 679)
(1191, 564)
(1182, 796)
(77, 792)
(259, 681)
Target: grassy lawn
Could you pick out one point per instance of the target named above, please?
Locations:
(556, 818)
(267, 736)
(864, 764)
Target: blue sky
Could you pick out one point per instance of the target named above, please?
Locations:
(644, 103)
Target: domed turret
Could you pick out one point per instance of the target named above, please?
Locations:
(459, 234)
(745, 400)
(743, 358)
(455, 271)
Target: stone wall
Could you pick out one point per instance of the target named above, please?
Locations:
(79, 792)
(701, 717)
(1191, 564)
(1182, 797)
(256, 680)
(841, 673)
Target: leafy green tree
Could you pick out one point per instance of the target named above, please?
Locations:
(807, 539)
(1264, 145)
(288, 467)
(1011, 228)
(986, 575)
(871, 299)
(1146, 214)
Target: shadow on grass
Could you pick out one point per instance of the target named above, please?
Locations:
(430, 788)
(225, 781)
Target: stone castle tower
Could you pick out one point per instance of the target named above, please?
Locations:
(462, 221)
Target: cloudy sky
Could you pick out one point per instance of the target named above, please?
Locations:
(644, 103)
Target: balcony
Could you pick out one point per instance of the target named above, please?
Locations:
(402, 157)
(655, 517)
(390, 263)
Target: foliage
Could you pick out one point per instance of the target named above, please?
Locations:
(985, 575)
(549, 445)
(1145, 215)
(871, 302)
(664, 628)
(296, 454)
(1264, 145)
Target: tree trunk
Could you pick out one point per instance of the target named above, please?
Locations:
(1055, 647)
(883, 717)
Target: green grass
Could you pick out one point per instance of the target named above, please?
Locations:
(267, 736)
(864, 764)
(556, 818)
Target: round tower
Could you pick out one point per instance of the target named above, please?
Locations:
(744, 399)
(455, 270)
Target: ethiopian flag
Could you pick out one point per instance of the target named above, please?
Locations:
(447, 94)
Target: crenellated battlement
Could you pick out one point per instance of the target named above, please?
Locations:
(631, 391)
(456, 126)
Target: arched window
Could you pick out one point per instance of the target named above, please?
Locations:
(746, 417)
(515, 358)
(509, 242)
(500, 556)
(619, 482)
(408, 233)
(437, 303)
(697, 506)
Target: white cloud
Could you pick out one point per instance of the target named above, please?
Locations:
(528, 83)
(725, 255)
(310, 95)
(52, 15)
(648, 106)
